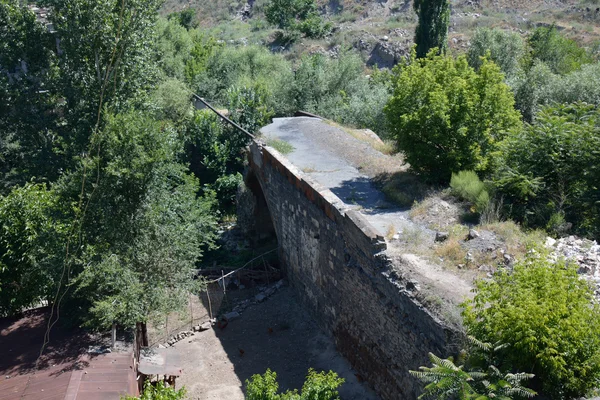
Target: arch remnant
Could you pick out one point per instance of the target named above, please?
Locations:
(337, 264)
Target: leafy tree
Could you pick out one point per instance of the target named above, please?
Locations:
(145, 230)
(432, 27)
(174, 45)
(321, 386)
(550, 169)
(248, 107)
(561, 54)
(297, 15)
(186, 18)
(27, 99)
(549, 317)
(506, 49)
(532, 90)
(32, 235)
(446, 117)
(214, 151)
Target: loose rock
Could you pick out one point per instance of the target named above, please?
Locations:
(441, 236)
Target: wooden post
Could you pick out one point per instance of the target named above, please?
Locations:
(114, 334)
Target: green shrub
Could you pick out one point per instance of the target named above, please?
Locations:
(185, 18)
(31, 247)
(446, 117)
(547, 315)
(172, 100)
(561, 54)
(531, 89)
(552, 168)
(318, 386)
(468, 186)
(540, 87)
(504, 48)
(296, 16)
(248, 107)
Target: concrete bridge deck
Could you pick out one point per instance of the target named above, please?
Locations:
(334, 159)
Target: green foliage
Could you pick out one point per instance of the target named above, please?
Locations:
(531, 90)
(432, 28)
(446, 117)
(248, 107)
(540, 87)
(159, 392)
(31, 246)
(92, 36)
(468, 186)
(185, 18)
(171, 100)
(318, 386)
(547, 314)
(504, 48)
(251, 66)
(561, 54)
(27, 133)
(297, 16)
(550, 169)
(146, 231)
(446, 380)
(214, 151)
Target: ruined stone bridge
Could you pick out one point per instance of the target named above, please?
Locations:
(334, 254)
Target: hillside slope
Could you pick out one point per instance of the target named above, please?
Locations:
(383, 30)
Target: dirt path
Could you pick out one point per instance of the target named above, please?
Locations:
(217, 362)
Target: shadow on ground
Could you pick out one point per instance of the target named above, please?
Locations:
(278, 334)
(21, 340)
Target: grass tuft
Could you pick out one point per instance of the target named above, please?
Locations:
(280, 145)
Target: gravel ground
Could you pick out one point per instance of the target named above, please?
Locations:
(278, 334)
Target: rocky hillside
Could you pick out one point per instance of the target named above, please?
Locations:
(383, 30)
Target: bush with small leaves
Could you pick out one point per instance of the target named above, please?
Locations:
(551, 168)
(318, 385)
(550, 319)
(504, 48)
(468, 186)
(561, 54)
(446, 117)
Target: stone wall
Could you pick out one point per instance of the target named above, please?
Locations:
(337, 264)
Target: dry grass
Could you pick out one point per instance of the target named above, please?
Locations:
(390, 232)
(517, 240)
(309, 170)
(451, 252)
(386, 147)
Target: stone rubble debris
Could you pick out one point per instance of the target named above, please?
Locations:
(586, 253)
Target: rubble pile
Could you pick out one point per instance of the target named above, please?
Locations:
(586, 253)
